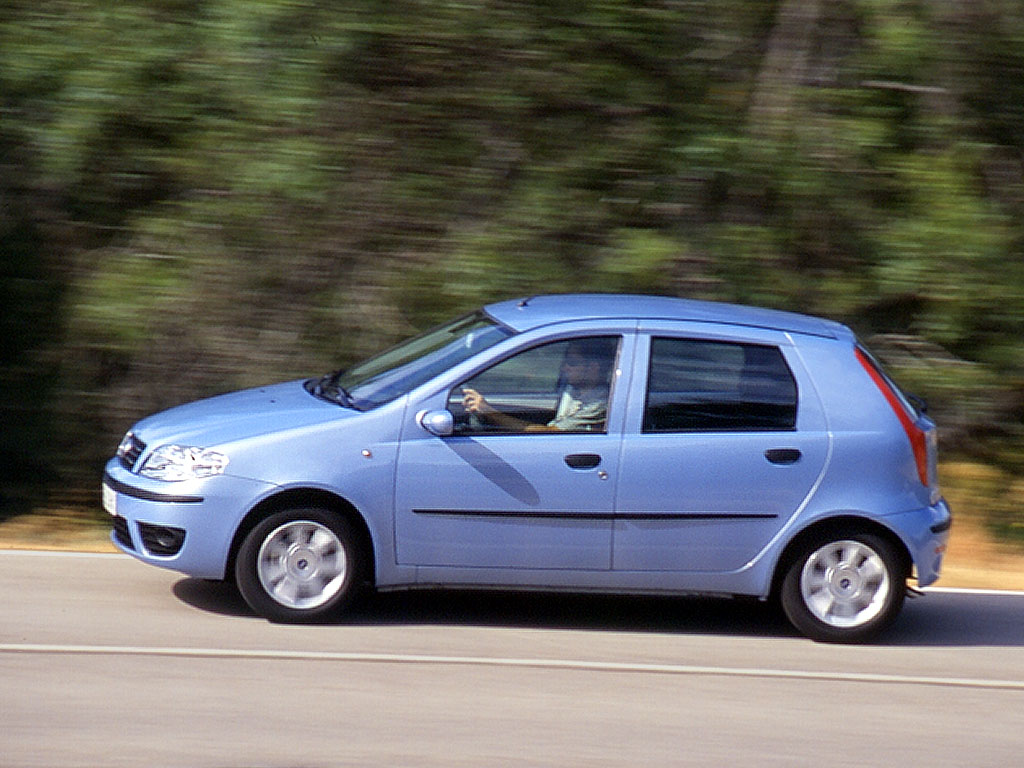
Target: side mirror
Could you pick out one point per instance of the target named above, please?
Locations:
(439, 423)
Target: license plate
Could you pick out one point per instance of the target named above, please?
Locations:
(109, 499)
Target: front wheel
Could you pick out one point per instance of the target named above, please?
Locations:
(844, 588)
(298, 565)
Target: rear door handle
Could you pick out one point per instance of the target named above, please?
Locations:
(783, 455)
(582, 460)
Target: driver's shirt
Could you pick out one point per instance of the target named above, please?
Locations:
(581, 411)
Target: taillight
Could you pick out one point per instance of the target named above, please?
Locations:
(917, 436)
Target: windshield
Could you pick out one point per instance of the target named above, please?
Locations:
(400, 369)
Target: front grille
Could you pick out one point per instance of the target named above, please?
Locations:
(130, 450)
(161, 540)
(121, 532)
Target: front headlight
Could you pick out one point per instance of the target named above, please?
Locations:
(180, 462)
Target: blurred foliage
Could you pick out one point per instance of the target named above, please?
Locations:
(197, 195)
(986, 494)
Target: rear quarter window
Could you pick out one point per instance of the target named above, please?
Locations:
(712, 386)
(869, 361)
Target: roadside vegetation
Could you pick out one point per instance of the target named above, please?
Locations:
(200, 195)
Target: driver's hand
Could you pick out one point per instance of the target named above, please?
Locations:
(474, 402)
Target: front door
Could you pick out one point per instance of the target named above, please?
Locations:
(525, 481)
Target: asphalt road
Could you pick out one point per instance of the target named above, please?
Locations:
(108, 662)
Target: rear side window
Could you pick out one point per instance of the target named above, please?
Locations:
(712, 386)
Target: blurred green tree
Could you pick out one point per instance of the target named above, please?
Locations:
(205, 194)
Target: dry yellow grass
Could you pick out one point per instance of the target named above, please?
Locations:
(975, 560)
(55, 531)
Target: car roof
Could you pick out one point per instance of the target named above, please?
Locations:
(533, 312)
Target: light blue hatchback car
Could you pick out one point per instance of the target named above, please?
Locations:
(611, 443)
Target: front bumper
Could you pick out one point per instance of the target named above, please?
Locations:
(186, 526)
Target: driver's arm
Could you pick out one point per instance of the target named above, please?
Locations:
(476, 403)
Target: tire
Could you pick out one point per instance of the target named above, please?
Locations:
(844, 588)
(299, 566)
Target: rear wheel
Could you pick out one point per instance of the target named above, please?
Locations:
(844, 588)
(298, 565)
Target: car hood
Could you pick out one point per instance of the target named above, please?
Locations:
(239, 415)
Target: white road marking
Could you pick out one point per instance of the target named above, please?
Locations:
(482, 661)
(970, 591)
(123, 556)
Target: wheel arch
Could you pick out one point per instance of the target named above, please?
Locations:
(838, 525)
(305, 497)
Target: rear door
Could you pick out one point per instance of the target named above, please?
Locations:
(724, 440)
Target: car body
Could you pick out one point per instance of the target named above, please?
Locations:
(738, 451)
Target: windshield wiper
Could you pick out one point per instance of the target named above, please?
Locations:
(328, 388)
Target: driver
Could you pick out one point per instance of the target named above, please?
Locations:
(583, 400)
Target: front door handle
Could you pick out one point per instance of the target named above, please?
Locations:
(783, 455)
(582, 460)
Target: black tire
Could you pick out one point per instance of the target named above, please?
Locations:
(844, 587)
(299, 566)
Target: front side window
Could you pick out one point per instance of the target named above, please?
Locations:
(711, 386)
(558, 387)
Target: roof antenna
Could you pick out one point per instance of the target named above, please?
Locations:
(522, 304)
